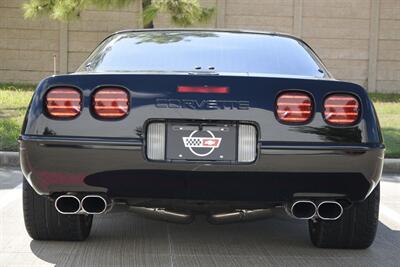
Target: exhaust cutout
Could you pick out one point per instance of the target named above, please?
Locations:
(303, 209)
(67, 204)
(329, 210)
(94, 204)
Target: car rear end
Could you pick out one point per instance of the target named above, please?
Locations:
(213, 139)
(138, 138)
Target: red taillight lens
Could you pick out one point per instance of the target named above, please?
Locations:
(63, 102)
(294, 107)
(342, 109)
(111, 103)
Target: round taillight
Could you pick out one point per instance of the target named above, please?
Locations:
(341, 109)
(111, 103)
(294, 107)
(63, 102)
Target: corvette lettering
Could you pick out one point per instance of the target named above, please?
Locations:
(202, 104)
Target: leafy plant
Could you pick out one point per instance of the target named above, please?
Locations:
(183, 12)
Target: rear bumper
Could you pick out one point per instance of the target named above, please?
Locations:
(119, 168)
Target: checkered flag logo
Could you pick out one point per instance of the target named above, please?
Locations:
(192, 142)
(202, 142)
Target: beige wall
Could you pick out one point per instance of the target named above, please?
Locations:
(359, 40)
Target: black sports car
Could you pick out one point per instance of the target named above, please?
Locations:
(231, 124)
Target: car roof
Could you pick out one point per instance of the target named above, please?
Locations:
(280, 34)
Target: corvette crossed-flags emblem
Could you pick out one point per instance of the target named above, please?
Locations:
(192, 142)
(205, 142)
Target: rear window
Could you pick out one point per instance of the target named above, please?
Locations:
(203, 51)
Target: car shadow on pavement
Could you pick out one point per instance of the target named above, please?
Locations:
(125, 239)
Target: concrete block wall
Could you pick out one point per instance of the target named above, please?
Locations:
(339, 32)
(85, 34)
(359, 40)
(388, 59)
(26, 48)
(268, 15)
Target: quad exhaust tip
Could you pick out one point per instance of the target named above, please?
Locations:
(68, 204)
(94, 204)
(90, 204)
(307, 209)
(329, 210)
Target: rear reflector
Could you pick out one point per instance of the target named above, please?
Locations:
(203, 89)
(341, 109)
(294, 107)
(111, 103)
(156, 141)
(63, 102)
(247, 143)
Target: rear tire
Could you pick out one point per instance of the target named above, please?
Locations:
(355, 229)
(44, 222)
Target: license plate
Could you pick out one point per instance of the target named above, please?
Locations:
(205, 142)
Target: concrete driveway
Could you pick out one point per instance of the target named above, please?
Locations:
(125, 239)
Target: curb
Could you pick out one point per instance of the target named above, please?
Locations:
(391, 166)
(11, 159)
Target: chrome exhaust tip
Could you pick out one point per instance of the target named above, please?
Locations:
(303, 209)
(67, 204)
(329, 210)
(94, 204)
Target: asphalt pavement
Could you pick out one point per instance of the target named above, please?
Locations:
(121, 238)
